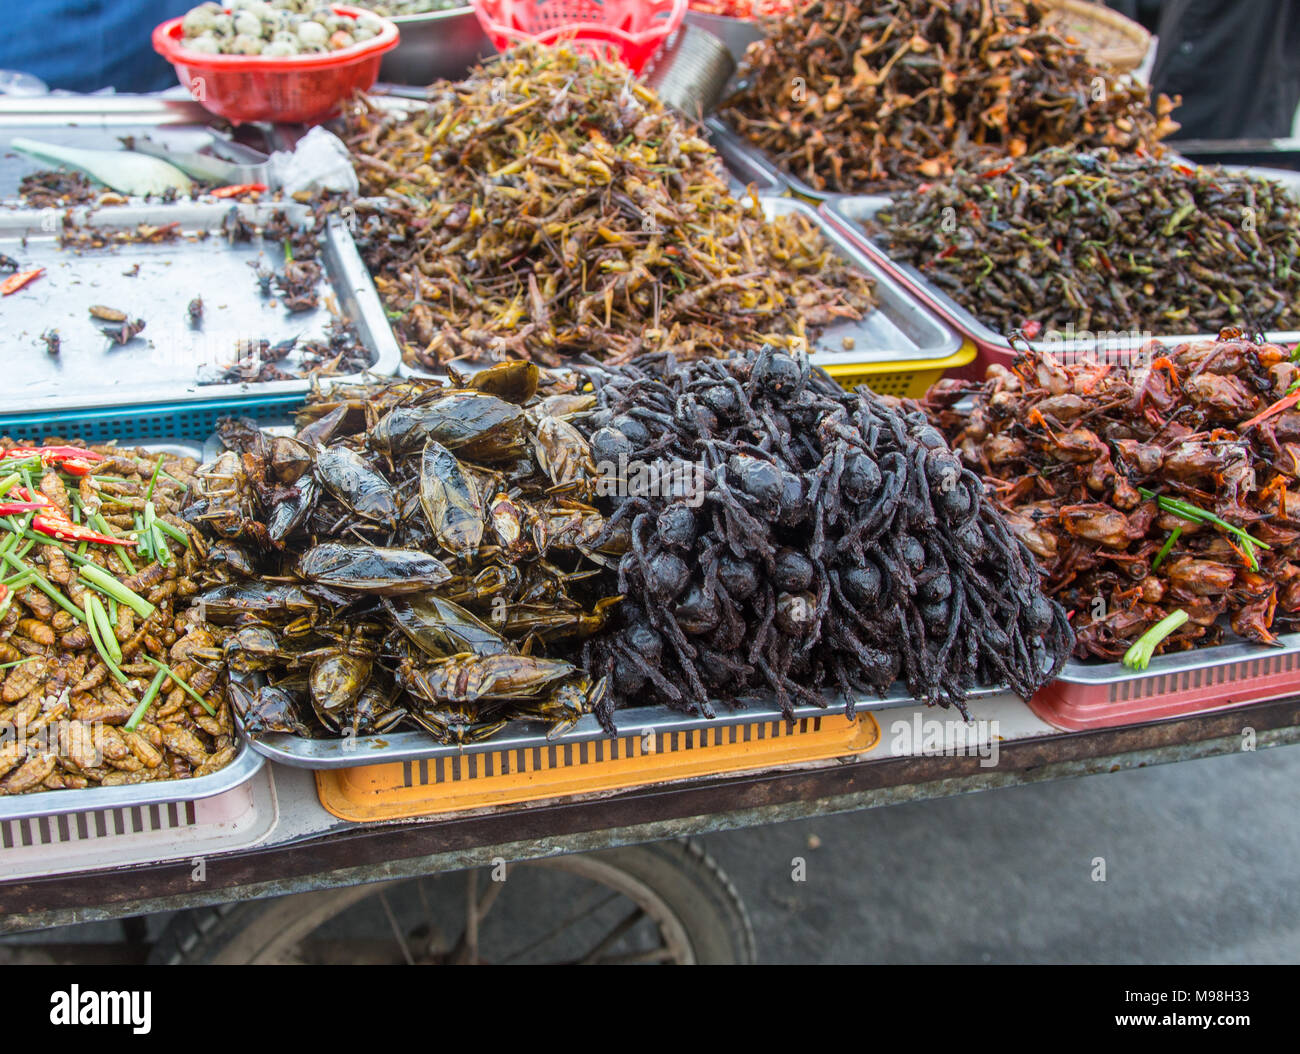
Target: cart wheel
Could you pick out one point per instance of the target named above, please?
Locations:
(666, 902)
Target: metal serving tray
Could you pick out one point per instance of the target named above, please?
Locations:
(897, 329)
(1180, 662)
(407, 746)
(658, 720)
(747, 161)
(849, 214)
(98, 122)
(242, 768)
(246, 764)
(170, 360)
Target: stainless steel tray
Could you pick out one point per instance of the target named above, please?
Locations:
(243, 767)
(849, 214)
(746, 160)
(898, 328)
(98, 122)
(246, 764)
(407, 746)
(170, 360)
(413, 746)
(1195, 660)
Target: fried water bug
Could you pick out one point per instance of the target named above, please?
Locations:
(434, 573)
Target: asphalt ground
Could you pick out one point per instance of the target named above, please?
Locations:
(1193, 862)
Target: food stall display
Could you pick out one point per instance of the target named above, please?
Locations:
(852, 97)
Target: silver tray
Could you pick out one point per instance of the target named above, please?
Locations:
(745, 159)
(437, 45)
(408, 746)
(898, 328)
(168, 361)
(243, 767)
(98, 122)
(414, 746)
(849, 213)
(1184, 663)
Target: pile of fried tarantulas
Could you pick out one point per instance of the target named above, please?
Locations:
(790, 538)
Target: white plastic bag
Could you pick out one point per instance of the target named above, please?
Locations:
(320, 161)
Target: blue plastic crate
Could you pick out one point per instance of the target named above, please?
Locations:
(160, 421)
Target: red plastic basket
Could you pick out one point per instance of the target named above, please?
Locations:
(630, 30)
(745, 10)
(304, 89)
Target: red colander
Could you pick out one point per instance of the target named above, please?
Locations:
(299, 89)
(630, 30)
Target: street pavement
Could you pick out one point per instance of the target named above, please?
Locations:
(1199, 862)
(1200, 859)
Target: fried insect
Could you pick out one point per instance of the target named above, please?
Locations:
(1098, 242)
(797, 538)
(858, 97)
(1160, 484)
(91, 693)
(355, 560)
(549, 207)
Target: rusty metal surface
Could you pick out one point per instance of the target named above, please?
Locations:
(375, 853)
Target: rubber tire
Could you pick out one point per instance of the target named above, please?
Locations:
(680, 872)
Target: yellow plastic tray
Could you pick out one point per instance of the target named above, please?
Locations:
(907, 379)
(405, 789)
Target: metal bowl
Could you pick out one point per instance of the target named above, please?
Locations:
(736, 33)
(437, 45)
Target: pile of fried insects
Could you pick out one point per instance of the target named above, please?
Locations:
(452, 556)
(110, 676)
(549, 207)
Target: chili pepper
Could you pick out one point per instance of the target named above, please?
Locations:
(237, 190)
(1285, 403)
(16, 281)
(50, 520)
(10, 508)
(74, 460)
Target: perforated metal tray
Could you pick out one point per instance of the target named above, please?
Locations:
(520, 735)
(897, 328)
(746, 160)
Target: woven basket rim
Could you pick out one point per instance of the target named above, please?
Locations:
(1126, 54)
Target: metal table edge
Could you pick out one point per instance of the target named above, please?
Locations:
(376, 852)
